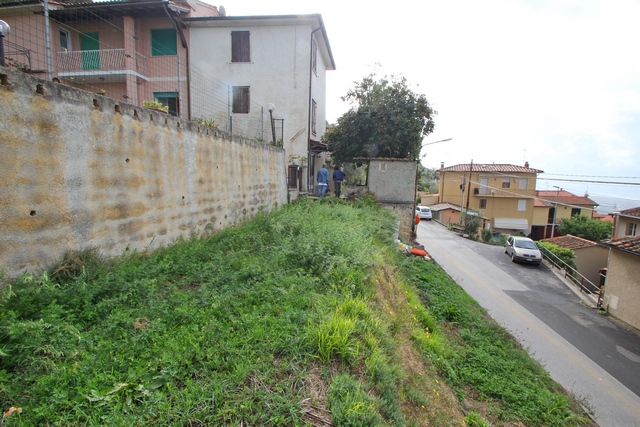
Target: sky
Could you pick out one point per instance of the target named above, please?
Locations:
(555, 83)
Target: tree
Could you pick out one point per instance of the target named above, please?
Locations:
(585, 227)
(386, 119)
(427, 179)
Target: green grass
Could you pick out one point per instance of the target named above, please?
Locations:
(284, 320)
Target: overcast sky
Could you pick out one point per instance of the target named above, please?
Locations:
(552, 82)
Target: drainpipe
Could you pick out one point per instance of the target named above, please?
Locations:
(309, 111)
(47, 36)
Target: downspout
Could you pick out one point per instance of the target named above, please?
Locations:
(185, 45)
(47, 36)
(309, 110)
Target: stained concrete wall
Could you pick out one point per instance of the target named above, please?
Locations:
(78, 170)
(622, 288)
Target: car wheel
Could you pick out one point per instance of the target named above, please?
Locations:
(513, 257)
(505, 251)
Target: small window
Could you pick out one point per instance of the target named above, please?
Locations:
(168, 99)
(522, 205)
(241, 99)
(240, 46)
(314, 55)
(65, 40)
(383, 167)
(575, 211)
(523, 183)
(506, 183)
(483, 204)
(632, 229)
(163, 42)
(314, 109)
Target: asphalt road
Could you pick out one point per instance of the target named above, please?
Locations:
(593, 356)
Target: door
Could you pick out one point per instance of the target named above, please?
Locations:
(90, 45)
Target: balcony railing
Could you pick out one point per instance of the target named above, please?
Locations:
(96, 61)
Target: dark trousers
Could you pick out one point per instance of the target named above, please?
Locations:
(338, 186)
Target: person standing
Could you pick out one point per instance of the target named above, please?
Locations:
(338, 177)
(323, 180)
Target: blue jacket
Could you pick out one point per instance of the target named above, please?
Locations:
(323, 176)
(338, 175)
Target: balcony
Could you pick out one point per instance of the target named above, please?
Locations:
(94, 66)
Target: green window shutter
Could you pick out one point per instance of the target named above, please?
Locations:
(163, 42)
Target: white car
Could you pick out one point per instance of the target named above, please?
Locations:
(523, 249)
(424, 212)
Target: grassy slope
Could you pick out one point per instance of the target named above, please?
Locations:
(306, 316)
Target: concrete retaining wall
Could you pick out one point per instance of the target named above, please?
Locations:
(78, 170)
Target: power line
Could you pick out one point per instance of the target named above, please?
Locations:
(594, 176)
(590, 182)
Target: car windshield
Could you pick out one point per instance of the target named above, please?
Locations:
(525, 244)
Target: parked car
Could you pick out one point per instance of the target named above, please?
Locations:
(424, 212)
(523, 249)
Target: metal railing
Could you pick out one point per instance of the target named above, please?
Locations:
(103, 60)
(573, 275)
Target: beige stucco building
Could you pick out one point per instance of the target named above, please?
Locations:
(502, 193)
(622, 287)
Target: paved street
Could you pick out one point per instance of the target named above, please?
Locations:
(593, 356)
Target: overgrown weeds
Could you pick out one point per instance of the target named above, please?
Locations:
(296, 313)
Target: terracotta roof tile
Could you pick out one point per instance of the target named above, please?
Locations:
(631, 212)
(571, 242)
(564, 197)
(492, 167)
(626, 244)
(443, 206)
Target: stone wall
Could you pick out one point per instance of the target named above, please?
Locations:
(78, 170)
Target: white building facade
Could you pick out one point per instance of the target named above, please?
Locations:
(263, 63)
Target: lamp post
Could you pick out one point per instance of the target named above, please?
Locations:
(415, 192)
(4, 31)
(272, 107)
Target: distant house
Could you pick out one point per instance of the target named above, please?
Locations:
(626, 223)
(446, 213)
(551, 207)
(591, 258)
(622, 287)
(502, 193)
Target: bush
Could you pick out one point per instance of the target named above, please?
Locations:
(487, 235)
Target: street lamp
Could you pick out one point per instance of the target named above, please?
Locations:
(434, 142)
(272, 107)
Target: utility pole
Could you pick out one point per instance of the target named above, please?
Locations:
(469, 192)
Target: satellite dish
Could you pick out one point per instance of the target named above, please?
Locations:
(222, 11)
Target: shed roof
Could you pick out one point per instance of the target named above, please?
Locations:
(571, 242)
(627, 244)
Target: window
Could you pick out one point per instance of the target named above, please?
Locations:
(484, 186)
(314, 108)
(314, 55)
(383, 167)
(168, 99)
(523, 183)
(483, 204)
(240, 46)
(164, 42)
(65, 40)
(522, 205)
(241, 99)
(506, 182)
(575, 211)
(632, 229)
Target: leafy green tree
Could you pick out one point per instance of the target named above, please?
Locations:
(386, 119)
(585, 227)
(427, 179)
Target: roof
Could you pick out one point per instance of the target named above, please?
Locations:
(500, 168)
(444, 206)
(602, 217)
(626, 244)
(537, 203)
(225, 21)
(88, 10)
(571, 242)
(634, 212)
(564, 197)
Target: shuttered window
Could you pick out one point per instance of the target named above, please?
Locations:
(240, 46)
(163, 42)
(241, 99)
